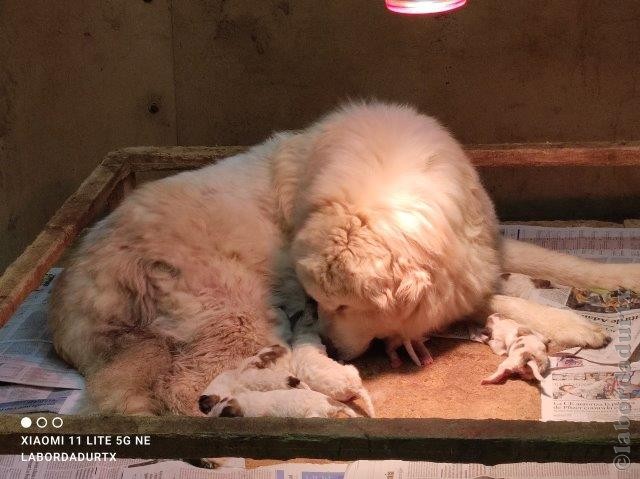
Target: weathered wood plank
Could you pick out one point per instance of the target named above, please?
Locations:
(25, 273)
(532, 155)
(172, 158)
(512, 155)
(486, 441)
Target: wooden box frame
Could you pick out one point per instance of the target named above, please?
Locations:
(459, 440)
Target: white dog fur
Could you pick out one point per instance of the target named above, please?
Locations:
(375, 210)
(310, 363)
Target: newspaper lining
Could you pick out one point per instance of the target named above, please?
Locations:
(12, 467)
(180, 470)
(33, 378)
(608, 245)
(577, 390)
(523, 470)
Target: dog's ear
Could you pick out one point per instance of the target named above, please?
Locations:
(412, 286)
(382, 299)
(338, 255)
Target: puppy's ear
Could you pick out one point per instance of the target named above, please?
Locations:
(522, 331)
(206, 402)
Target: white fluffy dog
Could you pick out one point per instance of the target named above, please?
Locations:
(375, 211)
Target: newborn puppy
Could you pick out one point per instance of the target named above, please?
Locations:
(526, 351)
(501, 333)
(280, 403)
(268, 370)
(310, 363)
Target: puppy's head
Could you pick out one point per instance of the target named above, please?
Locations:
(214, 406)
(363, 274)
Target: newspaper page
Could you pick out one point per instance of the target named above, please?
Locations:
(523, 470)
(618, 312)
(607, 245)
(577, 390)
(181, 470)
(13, 467)
(27, 355)
(33, 378)
(19, 399)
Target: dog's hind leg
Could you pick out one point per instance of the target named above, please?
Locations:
(125, 383)
(537, 262)
(226, 338)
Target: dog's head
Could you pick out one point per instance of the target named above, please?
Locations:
(385, 196)
(365, 274)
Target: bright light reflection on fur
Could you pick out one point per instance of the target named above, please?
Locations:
(408, 221)
(417, 7)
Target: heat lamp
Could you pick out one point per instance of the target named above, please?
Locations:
(416, 7)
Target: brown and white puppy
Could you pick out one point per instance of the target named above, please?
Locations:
(302, 403)
(270, 369)
(525, 350)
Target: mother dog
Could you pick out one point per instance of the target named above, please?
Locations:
(375, 211)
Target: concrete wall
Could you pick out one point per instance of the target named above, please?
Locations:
(77, 78)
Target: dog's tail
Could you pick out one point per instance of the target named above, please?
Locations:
(537, 262)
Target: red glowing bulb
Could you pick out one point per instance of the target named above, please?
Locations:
(423, 6)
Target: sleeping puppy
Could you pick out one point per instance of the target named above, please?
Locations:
(525, 350)
(268, 370)
(302, 403)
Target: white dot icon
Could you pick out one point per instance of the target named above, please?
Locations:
(25, 422)
(56, 422)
